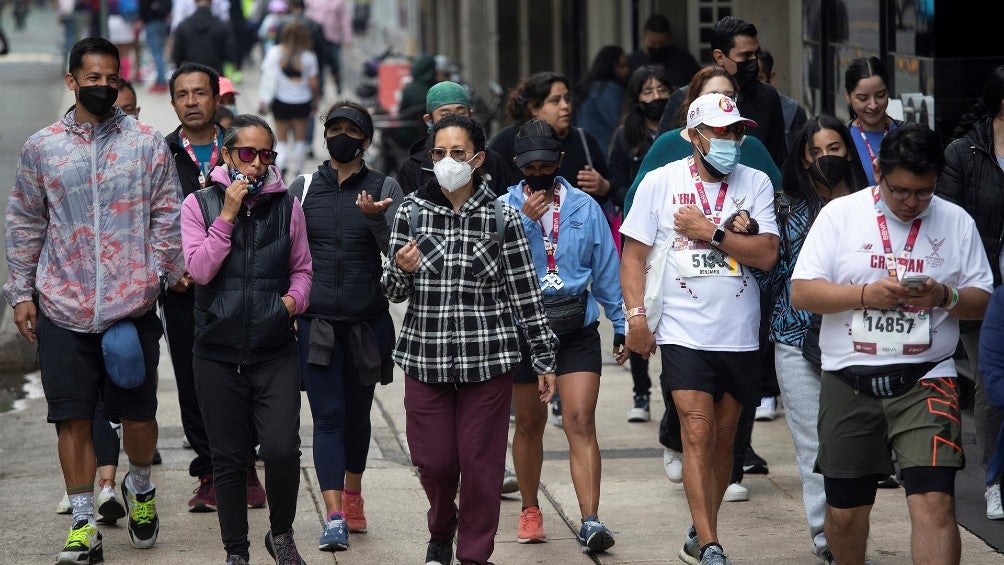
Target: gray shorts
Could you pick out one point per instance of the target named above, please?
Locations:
(858, 433)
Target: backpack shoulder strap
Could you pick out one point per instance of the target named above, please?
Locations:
(585, 146)
(307, 177)
(500, 220)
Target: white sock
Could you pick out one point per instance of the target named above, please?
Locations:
(83, 506)
(280, 160)
(139, 479)
(296, 157)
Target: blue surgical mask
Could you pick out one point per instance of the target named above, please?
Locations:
(722, 156)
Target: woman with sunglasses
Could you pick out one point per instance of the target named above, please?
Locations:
(576, 276)
(672, 146)
(821, 166)
(346, 333)
(245, 245)
(462, 261)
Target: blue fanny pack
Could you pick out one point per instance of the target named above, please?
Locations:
(123, 355)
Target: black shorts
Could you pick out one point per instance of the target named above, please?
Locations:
(713, 372)
(579, 352)
(74, 376)
(283, 111)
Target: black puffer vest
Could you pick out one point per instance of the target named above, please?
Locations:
(347, 263)
(239, 316)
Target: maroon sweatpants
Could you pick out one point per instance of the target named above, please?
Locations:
(461, 431)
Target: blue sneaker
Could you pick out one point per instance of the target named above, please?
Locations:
(715, 555)
(335, 536)
(691, 551)
(595, 537)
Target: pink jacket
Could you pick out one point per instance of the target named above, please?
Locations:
(205, 249)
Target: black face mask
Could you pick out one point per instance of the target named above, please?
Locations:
(658, 54)
(653, 110)
(747, 72)
(830, 169)
(541, 182)
(98, 100)
(343, 147)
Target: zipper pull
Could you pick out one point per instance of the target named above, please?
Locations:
(238, 369)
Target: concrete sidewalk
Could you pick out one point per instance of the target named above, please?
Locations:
(647, 513)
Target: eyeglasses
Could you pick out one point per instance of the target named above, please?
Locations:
(661, 91)
(248, 154)
(903, 194)
(738, 129)
(438, 153)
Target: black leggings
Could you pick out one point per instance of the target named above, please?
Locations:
(235, 402)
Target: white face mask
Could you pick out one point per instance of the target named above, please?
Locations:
(452, 175)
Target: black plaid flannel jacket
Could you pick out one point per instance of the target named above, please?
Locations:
(468, 294)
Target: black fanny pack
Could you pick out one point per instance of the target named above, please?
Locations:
(565, 314)
(884, 381)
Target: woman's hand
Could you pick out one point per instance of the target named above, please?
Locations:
(408, 257)
(370, 208)
(592, 182)
(545, 384)
(234, 197)
(290, 304)
(621, 353)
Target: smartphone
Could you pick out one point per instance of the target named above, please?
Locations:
(914, 281)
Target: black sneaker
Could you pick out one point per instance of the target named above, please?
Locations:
(143, 523)
(282, 548)
(235, 559)
(639, 412)
(83, 545)
(753, 464)
(439, 552)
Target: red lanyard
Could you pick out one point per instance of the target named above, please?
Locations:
(551, 243)
(868, 146)
(191, 153)
(704, 196)
(895, 267)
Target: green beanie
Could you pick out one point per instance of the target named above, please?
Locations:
(446, 92)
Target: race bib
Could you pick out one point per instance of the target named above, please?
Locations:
(705, 263)
(890, 332)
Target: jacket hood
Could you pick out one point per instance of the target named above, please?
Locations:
(430, 195)
(981, 135)
(273, 180)
(423, 69)
(83, 129)
(202, 20)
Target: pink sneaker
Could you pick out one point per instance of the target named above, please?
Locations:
(531, 526)
(352, 508)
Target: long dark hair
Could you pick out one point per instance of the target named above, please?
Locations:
(862, 68)
(603, 69)
(635, 131)
(987, 106)
(797, 182)
(531, 93)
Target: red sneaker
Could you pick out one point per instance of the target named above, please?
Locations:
(256, 492)
(352, 508)
(205, 496)
(531, 526)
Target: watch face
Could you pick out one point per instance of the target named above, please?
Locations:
(718, 238)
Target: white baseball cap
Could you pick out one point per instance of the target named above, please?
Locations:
(715, 110)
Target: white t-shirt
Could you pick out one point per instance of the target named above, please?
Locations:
(287, 89)
(844, 246)
(715, 313)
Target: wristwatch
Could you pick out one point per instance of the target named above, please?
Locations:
(718, 238)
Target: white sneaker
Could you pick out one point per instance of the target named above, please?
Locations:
(736, 493)
(639, 411)
(993, 496)
(108, 507)
(63, 506)
(767, 410)
(672, 460)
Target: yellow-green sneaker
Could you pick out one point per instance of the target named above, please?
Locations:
(142, 509)
(83, 545)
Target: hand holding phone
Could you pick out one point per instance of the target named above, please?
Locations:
(913, 281)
